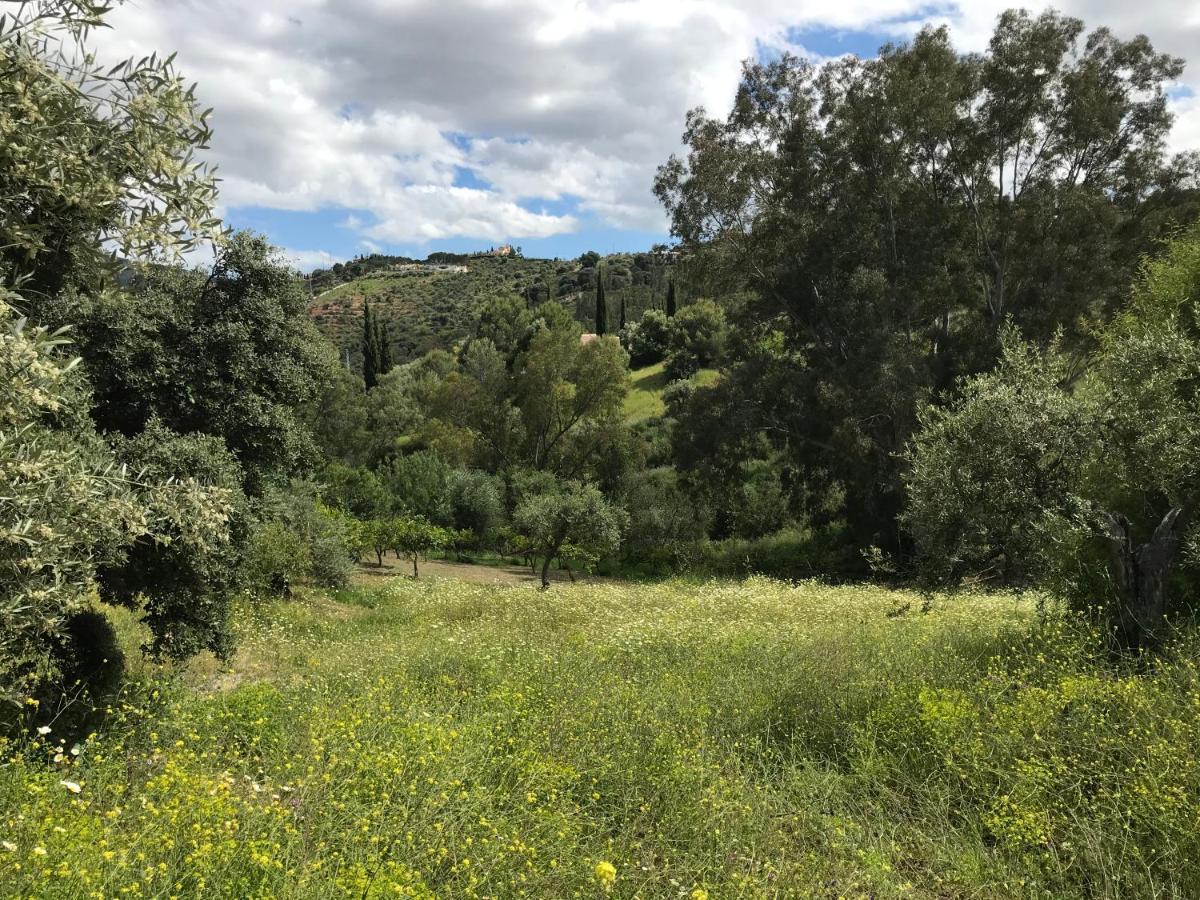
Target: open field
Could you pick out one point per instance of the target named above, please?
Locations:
(645, 400)
(442, 738)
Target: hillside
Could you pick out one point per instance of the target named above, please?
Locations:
(432, 304)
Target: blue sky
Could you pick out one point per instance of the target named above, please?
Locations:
(414, 126)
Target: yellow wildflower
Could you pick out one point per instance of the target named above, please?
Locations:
(606, 873)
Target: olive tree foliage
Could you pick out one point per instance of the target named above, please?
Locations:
(574, 514)
(886, 217)
(68, 509)
(92, 155)
(1090, 482)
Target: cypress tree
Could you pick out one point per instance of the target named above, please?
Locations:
(601, 305)
(370, 348)
(670, 298)
(383, 343)
(622, 325)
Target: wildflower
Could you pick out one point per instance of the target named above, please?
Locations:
(71, 786)
(606, 873)
(699, 894)
(9, 846)
(39, 851)
(43, 730)
(32, 701)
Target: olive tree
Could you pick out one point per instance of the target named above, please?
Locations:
(575, 515)
(92, 155)
(1035, 472)
(69, 509)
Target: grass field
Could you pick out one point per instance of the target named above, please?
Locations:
(682, 740)
(644, 400)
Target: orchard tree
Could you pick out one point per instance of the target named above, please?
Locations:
(411, 538)
(575, 514)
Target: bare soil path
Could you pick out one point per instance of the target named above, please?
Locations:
(367, 573)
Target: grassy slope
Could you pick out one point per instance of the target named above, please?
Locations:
(644, 400)
(720, 740)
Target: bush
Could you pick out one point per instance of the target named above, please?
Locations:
(696, 339)
(298, 537)
(277, 558)
(646, 340)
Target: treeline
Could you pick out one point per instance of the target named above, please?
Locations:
(880, 230)
(908, 279)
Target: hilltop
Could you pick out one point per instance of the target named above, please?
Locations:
(431, 304)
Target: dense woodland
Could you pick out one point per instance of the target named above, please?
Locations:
(946, 307)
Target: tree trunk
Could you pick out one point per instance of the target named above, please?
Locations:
(1140, 575)
(414, 559)
(546, 572)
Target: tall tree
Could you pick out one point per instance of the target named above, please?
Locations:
(229, 352)
(383, 343)
(601, 304)
(370, 349)
(886, 216)
(621, 325)
(671, 298)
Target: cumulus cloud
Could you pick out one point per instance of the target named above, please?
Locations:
(382, 106)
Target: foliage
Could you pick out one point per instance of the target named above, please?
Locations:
(418, 484)
(66, 507)
(376, 348)
(297, 537)
(1024, 457)
(183, 573)
(695, 339)
(357, 491)
(92, 156)
(647, 340)
(574, 514)
(558, 408)
(227, 353)
(412, 538)
(871, 224)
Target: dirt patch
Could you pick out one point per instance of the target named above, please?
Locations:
(367, 574)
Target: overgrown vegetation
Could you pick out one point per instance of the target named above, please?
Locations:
(933, 320)
(445, 739)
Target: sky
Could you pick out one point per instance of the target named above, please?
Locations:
(346, 127)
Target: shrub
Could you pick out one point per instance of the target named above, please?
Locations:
(647, 340)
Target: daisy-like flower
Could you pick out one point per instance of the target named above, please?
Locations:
(71, 786)
(9, 846)
(43, 730)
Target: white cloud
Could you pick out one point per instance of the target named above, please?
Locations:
(357, 103)
(307, 260)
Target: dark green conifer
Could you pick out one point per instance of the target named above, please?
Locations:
(601, 304)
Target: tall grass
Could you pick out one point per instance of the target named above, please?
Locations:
(676, 740)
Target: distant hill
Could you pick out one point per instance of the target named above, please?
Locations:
(432, 303)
